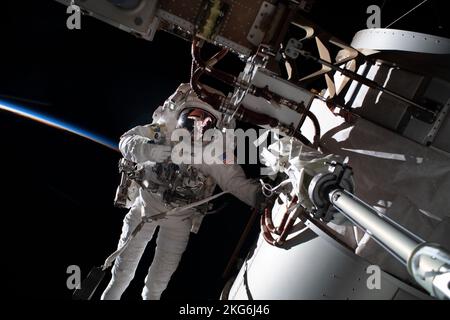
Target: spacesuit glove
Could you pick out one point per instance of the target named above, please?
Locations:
(159, 153)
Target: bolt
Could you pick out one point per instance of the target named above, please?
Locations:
(336, 197)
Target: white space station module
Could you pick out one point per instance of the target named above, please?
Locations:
(361, 175)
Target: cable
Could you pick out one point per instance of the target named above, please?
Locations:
(423, 2)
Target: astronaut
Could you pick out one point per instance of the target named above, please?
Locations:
(168, 186)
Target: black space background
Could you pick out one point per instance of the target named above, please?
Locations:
(57, 189)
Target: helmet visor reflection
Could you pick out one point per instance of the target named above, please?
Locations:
(197, 121)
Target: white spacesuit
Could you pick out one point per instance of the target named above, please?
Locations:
(166, 190)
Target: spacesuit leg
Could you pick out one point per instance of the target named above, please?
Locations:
(172, 240)
(126, 263)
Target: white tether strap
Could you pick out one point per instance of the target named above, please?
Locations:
(145, 219)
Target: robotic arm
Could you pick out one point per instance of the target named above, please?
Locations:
(427, 263)
(329, 196)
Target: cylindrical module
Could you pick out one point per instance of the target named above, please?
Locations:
(308, 264)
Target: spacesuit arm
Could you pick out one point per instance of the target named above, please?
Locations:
(231, 178)
(138, 145)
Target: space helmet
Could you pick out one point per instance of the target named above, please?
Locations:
(184, 109)
(197, 121)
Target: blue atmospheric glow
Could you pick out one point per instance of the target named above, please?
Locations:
(48, 120)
